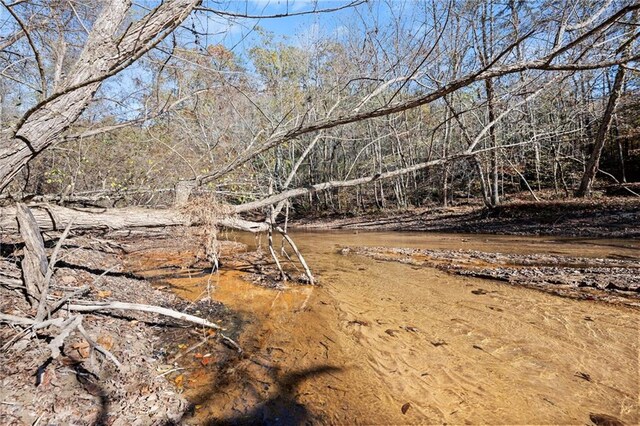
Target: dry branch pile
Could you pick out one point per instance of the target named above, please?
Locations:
(64, 324)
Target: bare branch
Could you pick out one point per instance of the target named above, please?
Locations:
(90, 306)
(36, 53)
(280, 15)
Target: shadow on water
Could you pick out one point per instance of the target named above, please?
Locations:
(281, 408)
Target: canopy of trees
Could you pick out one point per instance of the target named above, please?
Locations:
(407, 103)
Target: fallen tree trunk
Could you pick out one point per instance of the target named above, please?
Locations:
(56, 218)
(34, 263)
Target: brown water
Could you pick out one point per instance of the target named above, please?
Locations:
(389, 343)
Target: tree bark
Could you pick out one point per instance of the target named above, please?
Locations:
(34, 263)
(56, 218)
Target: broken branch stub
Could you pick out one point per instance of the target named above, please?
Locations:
(34, 263)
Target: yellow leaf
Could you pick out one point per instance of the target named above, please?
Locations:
(179, 381)
(105, 341)
(102, 294)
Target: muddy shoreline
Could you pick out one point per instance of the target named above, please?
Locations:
(613, 217)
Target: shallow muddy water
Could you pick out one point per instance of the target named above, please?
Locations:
(389, 343)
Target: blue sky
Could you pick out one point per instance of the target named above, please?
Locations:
(233, 29)
(238, 32)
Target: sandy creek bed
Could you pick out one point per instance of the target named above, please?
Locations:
(389, 343)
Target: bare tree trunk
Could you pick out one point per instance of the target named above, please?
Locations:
(445, 153)
(484, 187)
(494, 187)
(183, 191)
(621, 151)
(601, 137)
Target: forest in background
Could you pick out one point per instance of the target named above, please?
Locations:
(411, 103)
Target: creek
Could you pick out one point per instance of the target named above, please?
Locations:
(388, 343)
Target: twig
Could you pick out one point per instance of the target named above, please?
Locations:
(98, 347)
(231, 343)
(21, 320)
(13, 319)
(36, 53)
(79, 292)
(67, 327)
(307, 271)
(48, 323)
(173, 370)
(283, 276)
(190, 349)
(37, 422)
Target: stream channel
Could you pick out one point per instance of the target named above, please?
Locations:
(388, 343)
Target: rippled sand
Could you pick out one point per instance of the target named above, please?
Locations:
(389, 343)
